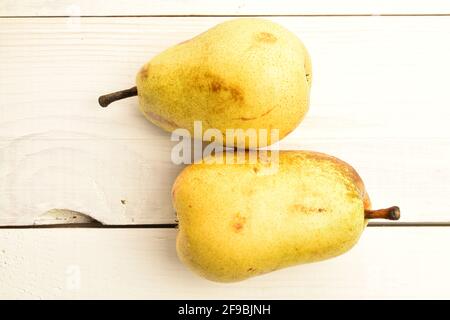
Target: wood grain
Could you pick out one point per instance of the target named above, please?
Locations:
(136, 263)
(380, 101)
(225, 8)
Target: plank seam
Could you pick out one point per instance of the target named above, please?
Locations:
(237, 15)
(175, 226)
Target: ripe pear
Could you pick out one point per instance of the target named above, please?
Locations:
(243, 73)
(241, 220)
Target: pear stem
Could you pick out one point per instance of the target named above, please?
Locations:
(106, 99)
(392, 213)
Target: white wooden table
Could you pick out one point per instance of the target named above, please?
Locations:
(380, 100)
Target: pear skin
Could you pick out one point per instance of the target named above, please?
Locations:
(245, 73)
(241, 220)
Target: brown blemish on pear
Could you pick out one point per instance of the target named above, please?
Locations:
(236, 93)
(238, 223)
(144, 72)
(256, 117)
(266, 37)
(299, 208)
(218, 85)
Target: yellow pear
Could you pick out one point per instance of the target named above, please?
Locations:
(245, 73)
(241, 220)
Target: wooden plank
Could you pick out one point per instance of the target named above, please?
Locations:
(231, 7)
(379, 101)
(387, 263)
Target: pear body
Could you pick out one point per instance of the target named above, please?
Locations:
(243, 73)
(241, 220)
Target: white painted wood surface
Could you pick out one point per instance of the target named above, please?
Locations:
(380, 101)
(141, 263)
(223, 8)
